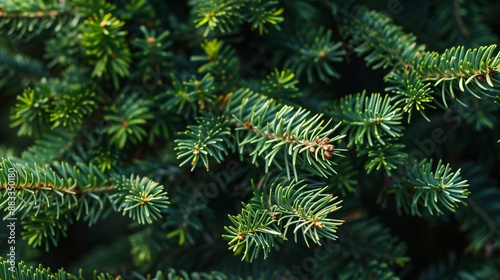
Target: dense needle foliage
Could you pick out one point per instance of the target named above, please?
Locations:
(249, 139)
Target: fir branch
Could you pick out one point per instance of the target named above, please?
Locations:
(281, 85)
(23, 20)
(289, 133)
(312, 51)
(30, 113)
(411, 92)
(195, 94)
(388, 157)
(103, 38)
(221, 15)
(152, 52)
(82, 188)
(35, 14)
(220, 61)
(474, 71)
(252, 231)
(423, 188)
(287, 205)
(144, 201)
(305, 209)
(70, 109)
(375, 36)
(211, 137)
(128, 118)
(260, 14)
(53, 104)
(21, 271)
(225, 16)
(368, 118)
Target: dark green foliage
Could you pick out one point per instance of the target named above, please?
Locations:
(250, 139)
(381, 43)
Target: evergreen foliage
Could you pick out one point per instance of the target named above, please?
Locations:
(249, 139)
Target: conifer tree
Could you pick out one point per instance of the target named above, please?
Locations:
(249, 139)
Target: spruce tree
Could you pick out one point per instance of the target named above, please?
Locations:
(249, 139)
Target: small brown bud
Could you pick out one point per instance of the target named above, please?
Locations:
(241, 237)
(151, 40)
(105, 23)
(312, 150)
(318, 224)
(322, 55)
(327, 154)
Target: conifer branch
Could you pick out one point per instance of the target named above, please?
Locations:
(289, 133)
(252, 231)
(220, 61)
(281, 85)
(225, 16)
(423, 188)
(211, 137)
(368, 118)
(270, 215)
(375, 36)
(387, 157)
(128, 117)
(312, 51)
(189, 95)
(83, 189)
(103, 38)
(474, 71)
(306, 210)
(411, 92)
